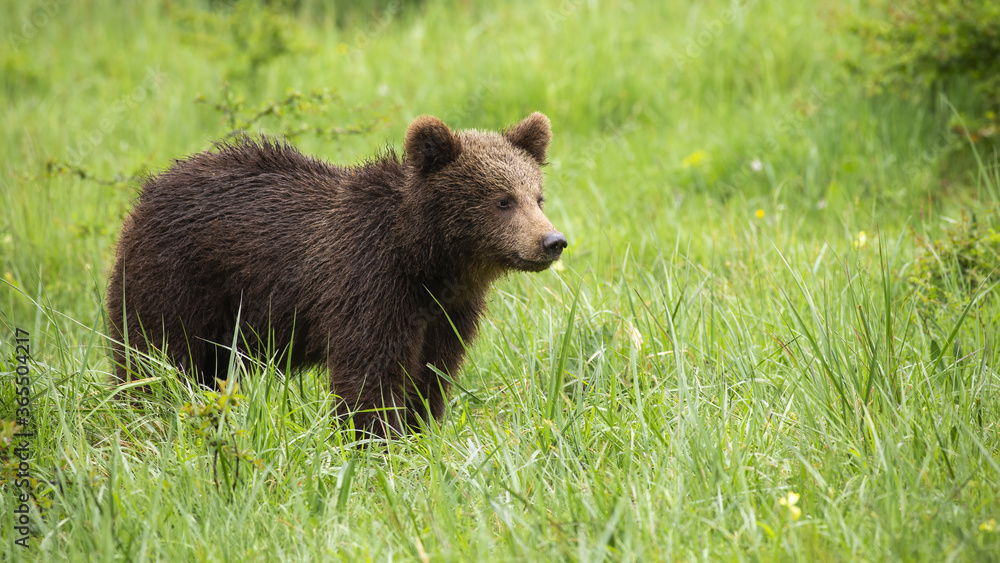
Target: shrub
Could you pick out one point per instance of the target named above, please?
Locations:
(948, 272)
(929, 46)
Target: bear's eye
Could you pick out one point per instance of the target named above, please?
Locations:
(541, 201)
(505, 203)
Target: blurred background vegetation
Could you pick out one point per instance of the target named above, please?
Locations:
(821, 107)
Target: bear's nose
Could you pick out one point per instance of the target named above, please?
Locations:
(554, 244)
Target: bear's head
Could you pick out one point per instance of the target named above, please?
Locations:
(480, 192)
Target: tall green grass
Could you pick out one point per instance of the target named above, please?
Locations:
(729, 363)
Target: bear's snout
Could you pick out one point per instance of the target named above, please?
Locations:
(553, 244)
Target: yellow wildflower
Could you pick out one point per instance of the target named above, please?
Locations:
(989, 525)
(862, 240)
(760, 213)
(789, 502)
(694, 159)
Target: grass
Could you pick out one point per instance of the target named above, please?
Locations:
(719, 339)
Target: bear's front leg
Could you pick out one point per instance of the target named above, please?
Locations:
(370, 377)
(372, 398)
(444, 348)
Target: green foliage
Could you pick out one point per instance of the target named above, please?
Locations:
(291, 117)
(296, 114)
(948, 272)
(212, 421)
(19, 74)
(8, 462)
(929, 46)
(247, 35)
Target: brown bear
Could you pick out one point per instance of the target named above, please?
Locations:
(376, 271)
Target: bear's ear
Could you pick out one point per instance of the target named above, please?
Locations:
(430, 145)
(533, 135)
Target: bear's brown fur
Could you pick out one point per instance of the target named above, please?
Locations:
(364, 269)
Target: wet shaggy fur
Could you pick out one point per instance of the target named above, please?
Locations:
(355, 268)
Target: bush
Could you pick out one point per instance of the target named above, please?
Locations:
(950, 271)
(929, 46)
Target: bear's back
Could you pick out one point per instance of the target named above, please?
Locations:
(261, 196)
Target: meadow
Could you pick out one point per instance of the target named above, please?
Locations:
(774, 334)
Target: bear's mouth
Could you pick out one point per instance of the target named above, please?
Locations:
(527, 265)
